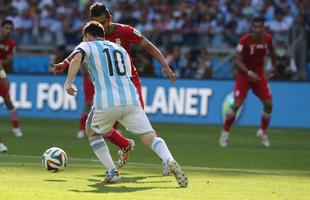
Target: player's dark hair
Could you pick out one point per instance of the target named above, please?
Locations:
(98, 9)
(7, 21)
(258, 19)
(94, 28)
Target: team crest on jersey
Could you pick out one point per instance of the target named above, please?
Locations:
(118, 41)
(4, 47)
(137, 32)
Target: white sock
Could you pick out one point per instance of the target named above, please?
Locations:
(102, 152)
(160, 148)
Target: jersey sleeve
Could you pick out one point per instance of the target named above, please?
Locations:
(133, 35)
(127, 63)
(82, 48)
(12, 47)
(241, 46)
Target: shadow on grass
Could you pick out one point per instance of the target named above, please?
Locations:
(56, 180)
(118, 188)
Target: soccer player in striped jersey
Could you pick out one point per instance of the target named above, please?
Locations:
(250, 56)
(116, 99)
(123, 35)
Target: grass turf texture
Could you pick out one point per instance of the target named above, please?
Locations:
(245, 170)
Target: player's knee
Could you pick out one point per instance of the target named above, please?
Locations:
(89, 132)
(148, 137)
(236, 105)
(268, 106)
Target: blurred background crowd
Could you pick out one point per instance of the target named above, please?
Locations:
(197, 37)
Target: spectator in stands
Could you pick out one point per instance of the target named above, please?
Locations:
(286, 67)
(280, 26)
(216, 31)
(230, 34)
(191, 69)
(176, 60)
(24, 27)
(190, 30)
(175, 28)
(52, 27)
(203, 29)
(204, 65)
(21, 5)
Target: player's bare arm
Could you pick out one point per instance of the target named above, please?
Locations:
(73, 70)
(58, 68)
(154, 51)
(7, 60)
(240, 65)
(3, 78)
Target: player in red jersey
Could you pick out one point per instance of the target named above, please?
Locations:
(250, 56)
(123, 35)
(7, 47)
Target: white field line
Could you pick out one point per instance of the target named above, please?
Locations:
(157, 166)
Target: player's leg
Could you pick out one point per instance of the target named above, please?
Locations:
(136, 121)
(88, 91)
(83, 118)
(114, 136)
(123, 153)
(262, 91)
(100, 123)
(240, 92)
(138, 85)
(4, 93)
(229, 119)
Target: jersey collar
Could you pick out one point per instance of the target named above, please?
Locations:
(111, 28)
(256, 38)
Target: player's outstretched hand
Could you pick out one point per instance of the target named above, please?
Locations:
(167, 71)
(59, 68)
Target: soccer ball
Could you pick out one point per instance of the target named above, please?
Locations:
(54, 159)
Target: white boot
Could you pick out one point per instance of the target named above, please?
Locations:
(3, 148)
(80, 134)
(178, 173)
(265, 141)
(223, 139)
(17, 132)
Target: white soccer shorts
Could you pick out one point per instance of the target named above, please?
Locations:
(132, 117)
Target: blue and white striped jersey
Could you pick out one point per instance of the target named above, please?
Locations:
(110, 70)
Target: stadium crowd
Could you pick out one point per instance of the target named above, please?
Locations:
(184, 29)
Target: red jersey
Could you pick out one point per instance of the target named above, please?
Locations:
(7, 48)
(253, 52)
(125, 35)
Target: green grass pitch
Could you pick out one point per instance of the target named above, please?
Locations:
(244, 170)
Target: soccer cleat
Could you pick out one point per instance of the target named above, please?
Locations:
(178, 173)
(123, 153)
(111, 177)
(80, 134)
(17, 132)
(264, 137)
(3, 148)
(223, 139)
(166, 170)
